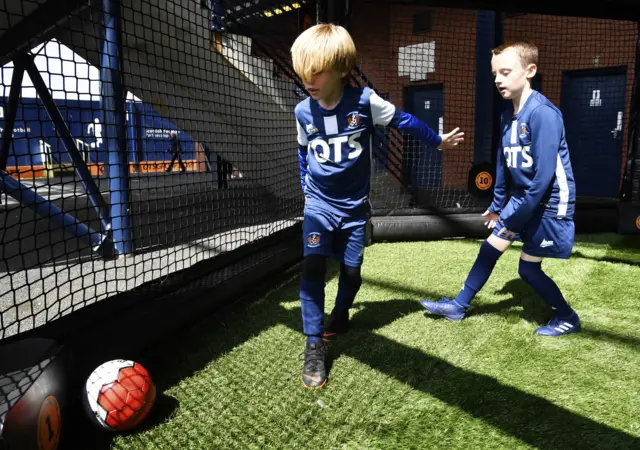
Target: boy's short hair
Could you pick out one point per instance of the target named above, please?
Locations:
(323, 47)
(526, 50)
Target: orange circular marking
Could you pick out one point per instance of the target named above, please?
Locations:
(49, 424)
(484, 181)
(638, 222)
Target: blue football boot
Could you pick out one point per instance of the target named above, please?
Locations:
(560, 327)
(446, 308)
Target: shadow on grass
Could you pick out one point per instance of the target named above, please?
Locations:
(535, 310)
(529, 418)
(612, 240)
(531, 307)
(615, 257)
(524, 303)
(620, 249)
(87, 435)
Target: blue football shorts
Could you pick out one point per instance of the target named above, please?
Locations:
(544, 237)
(335, 236)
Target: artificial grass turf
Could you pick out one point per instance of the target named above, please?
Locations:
(403, 379)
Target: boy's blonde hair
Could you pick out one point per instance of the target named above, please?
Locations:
(526, 50)
(323, 47)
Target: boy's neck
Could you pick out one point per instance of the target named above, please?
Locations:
(519, 102)
(332, 99)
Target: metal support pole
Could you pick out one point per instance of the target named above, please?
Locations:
(630, 189)
(485, 88)
(218, 20)
(336, 12)
(498, 101)
(346, 14)
(80, 166)
(320, 11)
(12, 109)
(131, 133)
(45, 208)
(113, 101)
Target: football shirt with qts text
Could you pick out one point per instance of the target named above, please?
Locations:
(533, 165)
(334, 146)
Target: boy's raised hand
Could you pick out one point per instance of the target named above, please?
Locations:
(451, 139)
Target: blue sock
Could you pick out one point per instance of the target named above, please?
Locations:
(485, 262)
(346, 293)
(312, 304)
(545, 287)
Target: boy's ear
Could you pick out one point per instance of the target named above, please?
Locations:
(531, 70)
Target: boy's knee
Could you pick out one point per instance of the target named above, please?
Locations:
(314, 267)
(351, 275)
(529, 270)
(498, 243)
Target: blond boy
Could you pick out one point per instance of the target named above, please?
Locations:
(335, 126)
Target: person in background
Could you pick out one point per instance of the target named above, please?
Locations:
(175, 149)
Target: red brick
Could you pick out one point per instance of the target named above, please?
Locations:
(565, 43)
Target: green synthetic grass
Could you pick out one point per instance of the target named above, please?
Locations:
(401, 379)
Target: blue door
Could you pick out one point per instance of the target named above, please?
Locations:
(593, 105)
(424, 163)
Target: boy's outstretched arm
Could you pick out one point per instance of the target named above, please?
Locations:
(386, 114)
(546, 134)
(302, 155)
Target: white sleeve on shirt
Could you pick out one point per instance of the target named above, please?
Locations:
(382, 111)
(302, 135)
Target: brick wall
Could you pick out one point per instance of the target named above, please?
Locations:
(564, 43)
(576, 44)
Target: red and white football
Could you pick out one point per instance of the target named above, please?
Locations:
(119, 395)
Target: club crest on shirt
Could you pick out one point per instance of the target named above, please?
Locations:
(524, 130)
(310, 128)
(313, 240)
(353, 120)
